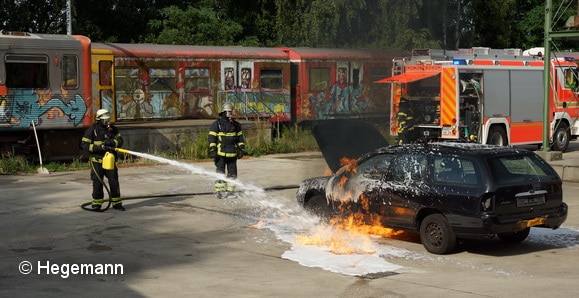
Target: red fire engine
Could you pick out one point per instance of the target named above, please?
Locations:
(485, 95)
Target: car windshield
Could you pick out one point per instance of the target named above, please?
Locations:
(520, 168)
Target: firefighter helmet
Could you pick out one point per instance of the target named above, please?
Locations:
(103, 114)
(227, 108)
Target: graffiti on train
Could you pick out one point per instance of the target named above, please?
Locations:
(21, 107)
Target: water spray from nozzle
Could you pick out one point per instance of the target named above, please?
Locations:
(195, 170)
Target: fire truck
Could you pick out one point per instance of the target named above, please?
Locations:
(485, 95)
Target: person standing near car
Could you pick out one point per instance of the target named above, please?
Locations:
(405, 117)
(226, 145)
(98, 139)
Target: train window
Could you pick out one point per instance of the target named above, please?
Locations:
(23, 71)
(105, 72)
(69, 71)
(162, 79)
(271, 79)
(246, 78)
(355, 78)
(197, 79)
(229, 79)
(319, 78)
(126, 80)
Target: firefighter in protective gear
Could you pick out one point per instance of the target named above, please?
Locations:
(98, 139)
(226, 145)
(405, 117)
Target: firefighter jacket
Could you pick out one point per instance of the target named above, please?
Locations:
(226, 137)
(405, 117)
(98, 135)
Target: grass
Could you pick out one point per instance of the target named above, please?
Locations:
(293, 139)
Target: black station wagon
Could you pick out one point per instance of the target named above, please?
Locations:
(445, 191)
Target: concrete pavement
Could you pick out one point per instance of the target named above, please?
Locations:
(176, 239)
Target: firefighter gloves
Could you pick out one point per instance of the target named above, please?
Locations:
(240, 153)
(212, 152)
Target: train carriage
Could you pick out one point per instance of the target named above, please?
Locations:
(339, 83)
(42, 82)
(163, 82)
(57, 82)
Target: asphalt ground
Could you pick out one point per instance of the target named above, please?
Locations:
(176, 239)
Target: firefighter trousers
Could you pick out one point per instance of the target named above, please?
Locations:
(97, 175)
(222, 163)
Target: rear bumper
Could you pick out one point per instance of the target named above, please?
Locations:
(490, 223)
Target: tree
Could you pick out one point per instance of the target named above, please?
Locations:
(199, 26)
(35, 16)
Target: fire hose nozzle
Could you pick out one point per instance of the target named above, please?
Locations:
(122, 150)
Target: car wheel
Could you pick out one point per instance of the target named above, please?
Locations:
(436, 234)
(561, 137)
(515, 237)
(318, 205)
(497, 136)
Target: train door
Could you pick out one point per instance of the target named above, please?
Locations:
(238, 83)
(103, 82)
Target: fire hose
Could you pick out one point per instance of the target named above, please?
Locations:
(121, 150)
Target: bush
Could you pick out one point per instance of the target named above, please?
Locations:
(13, 164)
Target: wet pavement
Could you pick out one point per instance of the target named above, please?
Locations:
(176, 239)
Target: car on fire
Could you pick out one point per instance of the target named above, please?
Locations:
(442, 190)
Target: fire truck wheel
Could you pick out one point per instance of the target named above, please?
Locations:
(497, 136)
(561, 137)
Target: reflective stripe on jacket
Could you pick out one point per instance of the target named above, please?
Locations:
(226, 136)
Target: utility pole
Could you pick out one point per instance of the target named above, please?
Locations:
(549, 36)
(68, 17)
(546, 73)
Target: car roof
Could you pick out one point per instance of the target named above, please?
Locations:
(453, 148)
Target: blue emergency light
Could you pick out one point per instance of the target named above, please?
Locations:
(459, 62)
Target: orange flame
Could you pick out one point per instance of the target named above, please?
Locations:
(257, 225)
(351, 234)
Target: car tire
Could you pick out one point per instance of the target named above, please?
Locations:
(561, 137)
(497, 136)
(515, 237)
(436, 234)
(318, 205)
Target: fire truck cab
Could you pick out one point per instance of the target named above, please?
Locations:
(484, 95)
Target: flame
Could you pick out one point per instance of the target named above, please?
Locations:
(257, 225)
(351, 164)
(350, 234)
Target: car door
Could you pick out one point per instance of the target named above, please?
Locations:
(359, 187)
(405, 189)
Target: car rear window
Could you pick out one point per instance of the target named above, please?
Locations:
(520, 168)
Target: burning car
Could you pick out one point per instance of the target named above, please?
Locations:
(443, 191)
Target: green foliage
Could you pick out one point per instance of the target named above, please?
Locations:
(294, 139)
(385, 24)
(11, 164)
(198, 26)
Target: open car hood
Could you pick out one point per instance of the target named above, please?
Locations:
(346, 138)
